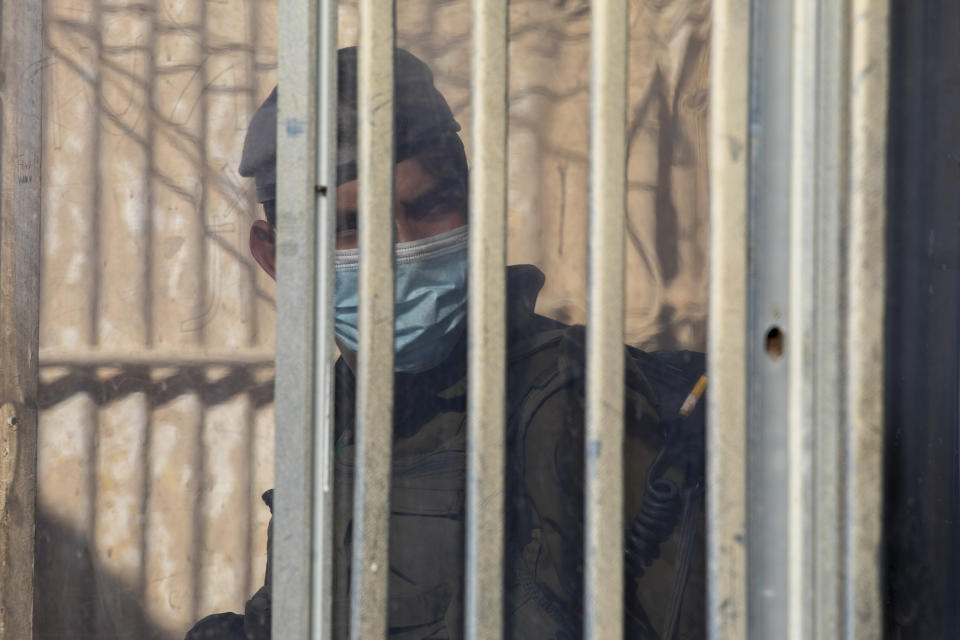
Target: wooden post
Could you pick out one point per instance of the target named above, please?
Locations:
(21, 65)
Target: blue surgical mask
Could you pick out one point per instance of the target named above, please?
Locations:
(431, 299)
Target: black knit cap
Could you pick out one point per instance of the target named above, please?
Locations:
(422, 118)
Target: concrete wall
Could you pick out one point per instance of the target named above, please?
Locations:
(157, 327)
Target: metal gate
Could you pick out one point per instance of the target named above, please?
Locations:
(797, 139)
(796, 319)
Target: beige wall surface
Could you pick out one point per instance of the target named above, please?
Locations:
(151, 468)
(156, 430)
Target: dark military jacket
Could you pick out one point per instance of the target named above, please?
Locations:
(544, 524)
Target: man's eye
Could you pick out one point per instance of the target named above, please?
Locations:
(446, 197)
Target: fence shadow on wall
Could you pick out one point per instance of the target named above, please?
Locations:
(80, 595)
(156, 328)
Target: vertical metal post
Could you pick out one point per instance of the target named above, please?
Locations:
(375, 111)
(814, 343)
(866, 281)
(769, 460)
(487, 324)
(21, 63)
(801, 361)
(325, 205)
(296, 287)
(727, 330)
(796, 318)
(603, 493)
(306, 199)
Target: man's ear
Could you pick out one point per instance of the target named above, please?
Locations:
(263, 246)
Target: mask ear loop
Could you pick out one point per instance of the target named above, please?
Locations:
(346, 259)
(434, 246)
(416, 250)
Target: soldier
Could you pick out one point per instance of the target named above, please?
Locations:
(545, 412)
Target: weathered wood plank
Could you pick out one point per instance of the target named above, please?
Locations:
(20, 110)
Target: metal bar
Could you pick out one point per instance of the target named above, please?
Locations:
(296, 308)
(374, 429)
(815, 348)
(603, 491)
(21, 62)
(768, 321)
(830, 165)
(727, 318)
(795, 438)
(868, 86)
(325, 207)
(487, 324)
(801, 361)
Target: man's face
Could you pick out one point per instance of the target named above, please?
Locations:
(423, 208)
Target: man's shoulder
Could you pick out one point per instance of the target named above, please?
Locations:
(546, 357)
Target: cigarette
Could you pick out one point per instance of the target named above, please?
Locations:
(694, 397)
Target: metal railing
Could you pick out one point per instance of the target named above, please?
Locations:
(795, 321)
(303, 413)
(798, 135)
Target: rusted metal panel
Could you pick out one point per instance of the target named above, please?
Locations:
(20, 155)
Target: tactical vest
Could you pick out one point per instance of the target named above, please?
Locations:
(544, 420)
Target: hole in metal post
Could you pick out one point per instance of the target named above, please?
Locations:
(774, 343)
